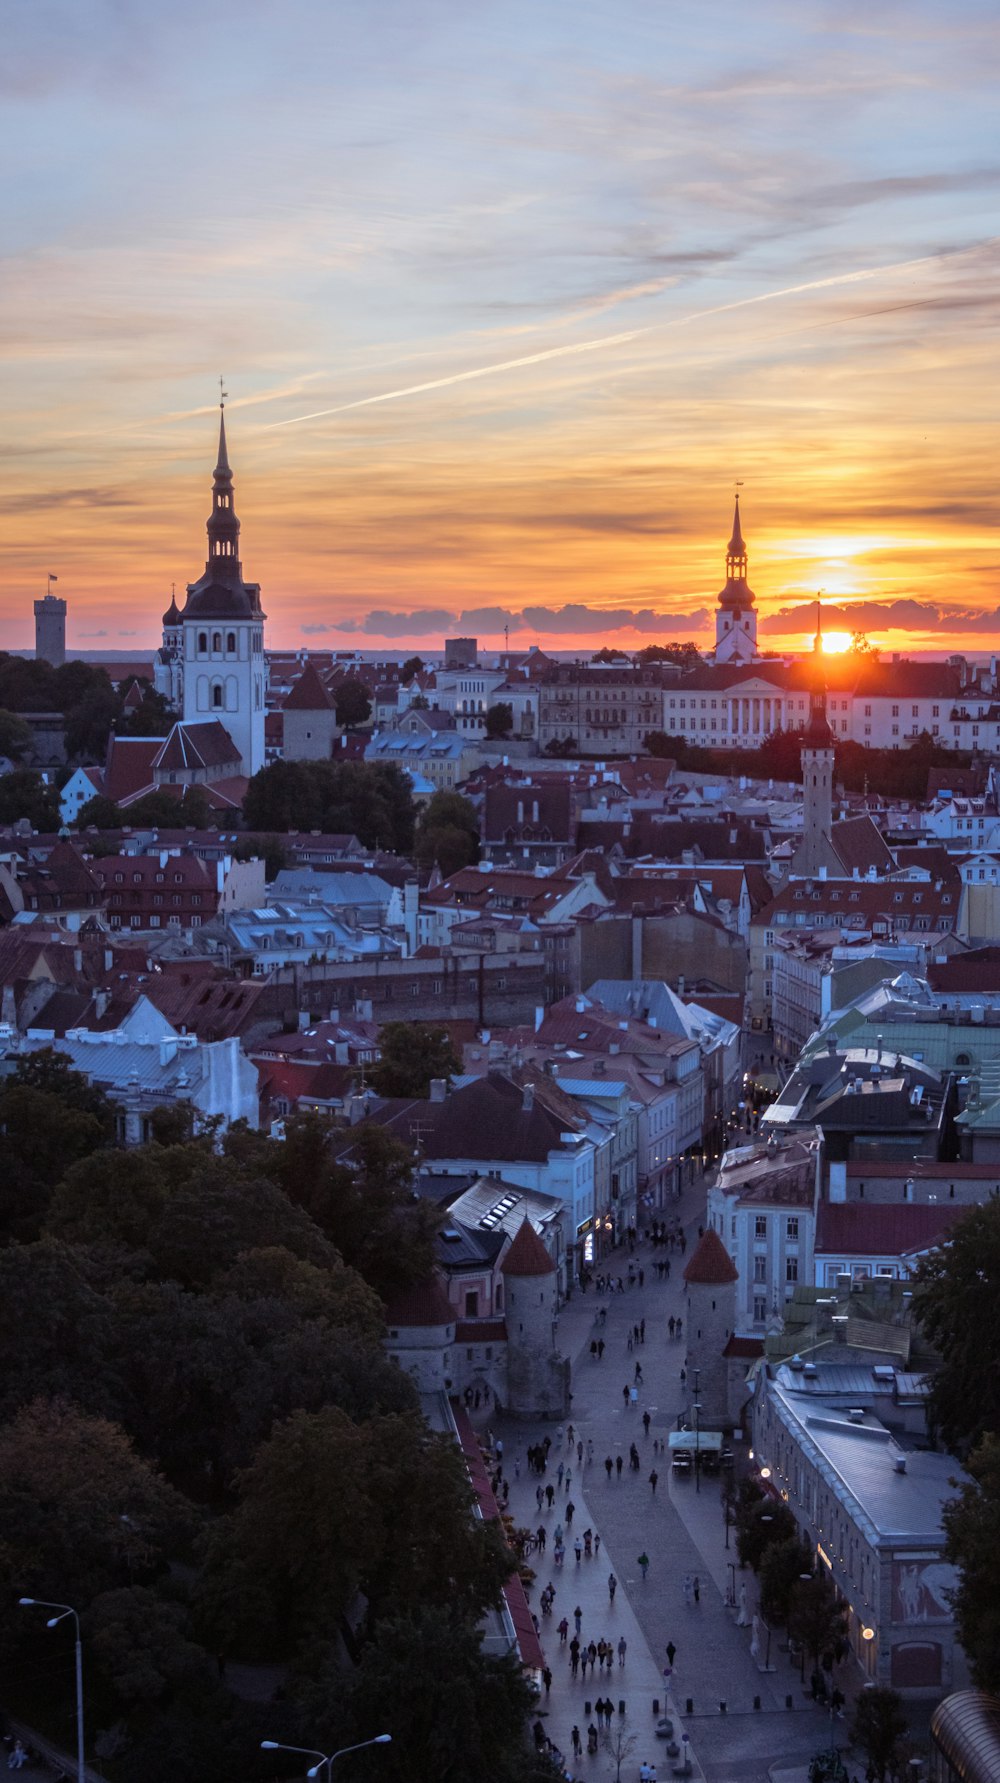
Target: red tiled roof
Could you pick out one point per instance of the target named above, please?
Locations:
(528, 1643)
(207, 745)
(425, 1304)
(309, 693)
(711, 1263)
(883, 1229)
(747, 1347)
(527, 1254)
(128, 771)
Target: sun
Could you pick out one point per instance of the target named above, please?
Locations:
(836, 641)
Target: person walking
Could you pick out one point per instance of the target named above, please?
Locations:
(619, 1464)
(653, 1477)
(670, 1325)
(539, 1496)
(625, 1397)
(550, 1493)
(570, 1508)
(578, 1550)
(578, 1617)
(696, 1588)
(563, 1632)
(597, 1544)
(576, 1741)
(612, 1586)
(540, 1537)
(574, 1658)
(671, 1651)
(560, 1470)
(547, 1679)
(608, 1465)
(646, 1421)
(643, 1562)
(638, 1374)
(634, 1397)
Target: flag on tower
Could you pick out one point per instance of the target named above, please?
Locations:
(53, 578)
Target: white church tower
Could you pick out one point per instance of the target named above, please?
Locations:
(736, 614)
(224, 667)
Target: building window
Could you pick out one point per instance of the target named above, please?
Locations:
(202, 643)
(231, 643)
(792, 1227)
(791, 1269)
(760, 1226)
(472, 1304)
(759, 1308)
(760, 1269)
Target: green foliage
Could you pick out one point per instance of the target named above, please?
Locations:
(413, 1054)
(352, 702)
(955, 1299)
(365, 1204)
(24, 794)
(686, 656)
(67, 1481)
(562, 747)
(90, 718)
(899, 773)
(500, 719)
(142, 1648)
(371, 800)
(879, 1727)
(972, 1526)
(412, 666)
(456, 1713)
(270, 849)
(153, 718)
(50, 1118)
(610, 655)
(448, 833)
(99, 813)
(758, 1526)
(15, 735)
(781, 1568)
(817, 1618)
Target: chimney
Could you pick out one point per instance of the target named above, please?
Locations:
(527, 1098)
(581, 1005)
(439, 1089)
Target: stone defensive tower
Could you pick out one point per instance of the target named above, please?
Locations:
(710, 1278)
(537, 1376)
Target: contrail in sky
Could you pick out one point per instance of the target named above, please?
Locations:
(616, 340)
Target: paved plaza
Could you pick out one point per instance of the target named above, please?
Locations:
(682, 1531)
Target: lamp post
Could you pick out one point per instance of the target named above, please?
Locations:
(65, 1610)
(696, 1408)
(324, 1760)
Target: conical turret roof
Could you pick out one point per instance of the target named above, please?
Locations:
(711, 1263)
(527, 1254)
(736, 547)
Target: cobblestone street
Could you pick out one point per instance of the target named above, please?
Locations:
(682, 1532)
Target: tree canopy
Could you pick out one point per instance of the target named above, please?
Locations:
(352, 701)
(371, 800)
(955, 1299)
(500, 719)
(413, 1055)
(448, 833)
(972, 1526)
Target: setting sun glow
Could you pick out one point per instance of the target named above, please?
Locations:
(836, 641)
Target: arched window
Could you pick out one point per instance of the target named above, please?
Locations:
(217, 693)
(231, 643)
(216, 640)
(202, 642)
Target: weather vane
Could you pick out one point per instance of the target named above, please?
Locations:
(222, 395)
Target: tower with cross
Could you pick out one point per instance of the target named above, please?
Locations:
(736, 613)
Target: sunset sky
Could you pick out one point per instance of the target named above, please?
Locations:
(508, 295)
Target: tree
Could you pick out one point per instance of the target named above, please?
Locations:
(153, 717)
(955, 1299)
(619, 1743)
(50, 1119)
(413, 1055)
(861, 645)
(608, 654)
(457, 1712)
(99, 813)
(352, 701)
(500, 719)
(412, 666)
(67, 1481)
(817, 1619)
(372, 800)
(15, 736)
(448, 833)
(25, 795)
(90, 719)
(878, 1727)
(142, 1646)
(972, 1527)
(781, 1568)
(364, 1204)
(759, 1523)
(562, 747)
(270, 849)
(686, 656)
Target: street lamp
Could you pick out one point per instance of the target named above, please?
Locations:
(696, 1408)
(324, 1759)
(65, 1610)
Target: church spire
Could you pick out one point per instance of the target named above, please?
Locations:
(223, 526)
